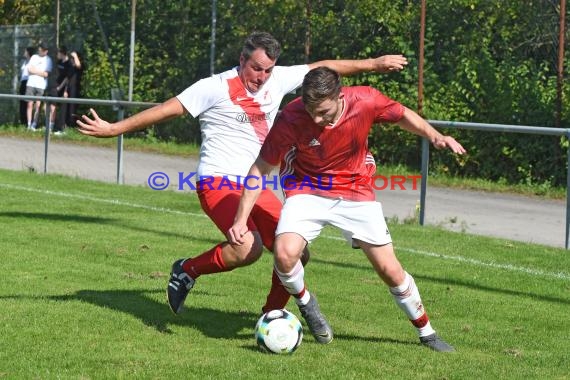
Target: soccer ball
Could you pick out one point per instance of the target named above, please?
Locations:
(278, 332)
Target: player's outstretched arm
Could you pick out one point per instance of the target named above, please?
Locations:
(95, 126)
(383, 64)
(249, 195)
(414, 123)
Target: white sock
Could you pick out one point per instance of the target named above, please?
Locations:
(294, 282)
(407, 297)
(304, 299)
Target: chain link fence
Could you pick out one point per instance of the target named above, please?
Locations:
(13, 42)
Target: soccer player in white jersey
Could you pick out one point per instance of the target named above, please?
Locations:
(323, 137)
(236, 110)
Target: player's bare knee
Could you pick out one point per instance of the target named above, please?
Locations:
(394, 275)
(256, 249)
(286, 256)
(250, 251)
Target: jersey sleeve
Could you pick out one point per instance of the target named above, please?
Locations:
(386, 110)
(277, 143)
(200, 96)
(290, 77)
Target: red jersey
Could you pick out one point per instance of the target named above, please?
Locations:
(329, 161)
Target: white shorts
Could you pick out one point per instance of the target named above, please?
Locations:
(307, 215)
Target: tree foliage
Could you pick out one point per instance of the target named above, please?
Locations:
(485, 61)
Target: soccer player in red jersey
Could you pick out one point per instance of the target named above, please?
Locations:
(321, 137)
(236, 110)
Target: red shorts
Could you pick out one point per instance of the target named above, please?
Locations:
(220, 203)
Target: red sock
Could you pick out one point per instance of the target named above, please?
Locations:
(208, 262)
(421, 321)
(278, 296)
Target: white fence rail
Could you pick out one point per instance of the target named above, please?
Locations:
(495, 128)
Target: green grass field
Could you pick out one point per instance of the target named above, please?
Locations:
(85, 266)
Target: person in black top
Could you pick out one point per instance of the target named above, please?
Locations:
(74, 86)
(60, 89)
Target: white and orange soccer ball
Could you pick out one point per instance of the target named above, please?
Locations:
(278, 332)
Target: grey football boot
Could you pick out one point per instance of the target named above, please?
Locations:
(316, 321)
(436, 343)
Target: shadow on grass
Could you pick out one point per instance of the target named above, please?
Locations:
(100, 220)
(308, 339)
(212, 323)
(456, 282)
(157, 315)
(373, 339)
(58, 217)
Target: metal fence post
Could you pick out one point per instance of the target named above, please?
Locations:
(120, 175)
(423, 187)
(46, 136)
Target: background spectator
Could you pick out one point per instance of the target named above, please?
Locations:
(28, 52)
(74, 86)
(39, 68)
(59, 89)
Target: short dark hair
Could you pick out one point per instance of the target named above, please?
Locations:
(319, 85)
(261, 40)
(62, 50)
(43, 46)
(31, 51)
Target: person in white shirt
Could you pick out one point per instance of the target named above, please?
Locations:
(39, 69)
(236, 109)
(28, 52)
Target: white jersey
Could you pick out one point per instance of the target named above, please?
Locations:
(43, 64)
(233, 121)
